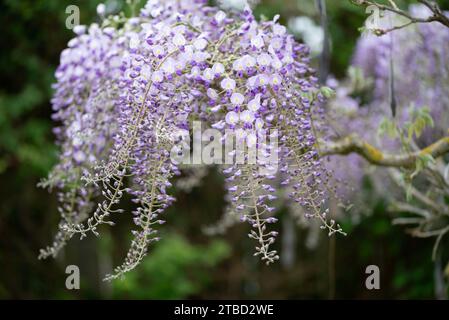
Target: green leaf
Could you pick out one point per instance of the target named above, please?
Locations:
(327, 92)
(422, 162)
(387, 127)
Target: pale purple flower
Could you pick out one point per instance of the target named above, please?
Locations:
(247, 116)
(257, 41)
(264, 59)
(218, 69)
(232, 117)
(101, 9)
(259, 124)
(208, 74)
(262, 80)
(276, 63)
(79, 29)
(276, 43)
(240, 134)
(215, 109)
(200, 44)
(219, 16)
(169, 66)
(157, 76)
(220, 125)
(238, 65)
(158, 51)
(195, 72)
(237, 99)
(251, 139)
(248, 61)
(212, 94)
(79, 156)
(279, 29)
(179, 40)
(201, 56)
(228, 84)
(254, 104)
(275, 80)
(252, 82)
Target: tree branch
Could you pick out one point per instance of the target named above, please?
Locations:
(353, 144)
(437, 14)
(407, 207)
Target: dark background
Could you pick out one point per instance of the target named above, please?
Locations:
(185, 264)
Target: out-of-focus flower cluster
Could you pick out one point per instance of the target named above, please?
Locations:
(309, 31)
(125, 89)
(409, 66)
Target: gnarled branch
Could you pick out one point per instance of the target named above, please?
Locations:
(353, 144)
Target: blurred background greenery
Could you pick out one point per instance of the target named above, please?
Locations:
(186, 264)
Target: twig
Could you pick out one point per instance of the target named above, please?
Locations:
(437, 14)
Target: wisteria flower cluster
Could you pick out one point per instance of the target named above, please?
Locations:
(419, 51)
(126, 88)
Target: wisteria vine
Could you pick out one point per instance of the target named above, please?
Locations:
(125, 90)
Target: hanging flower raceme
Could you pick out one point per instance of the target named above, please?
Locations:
(180, 62)
(84, 104)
